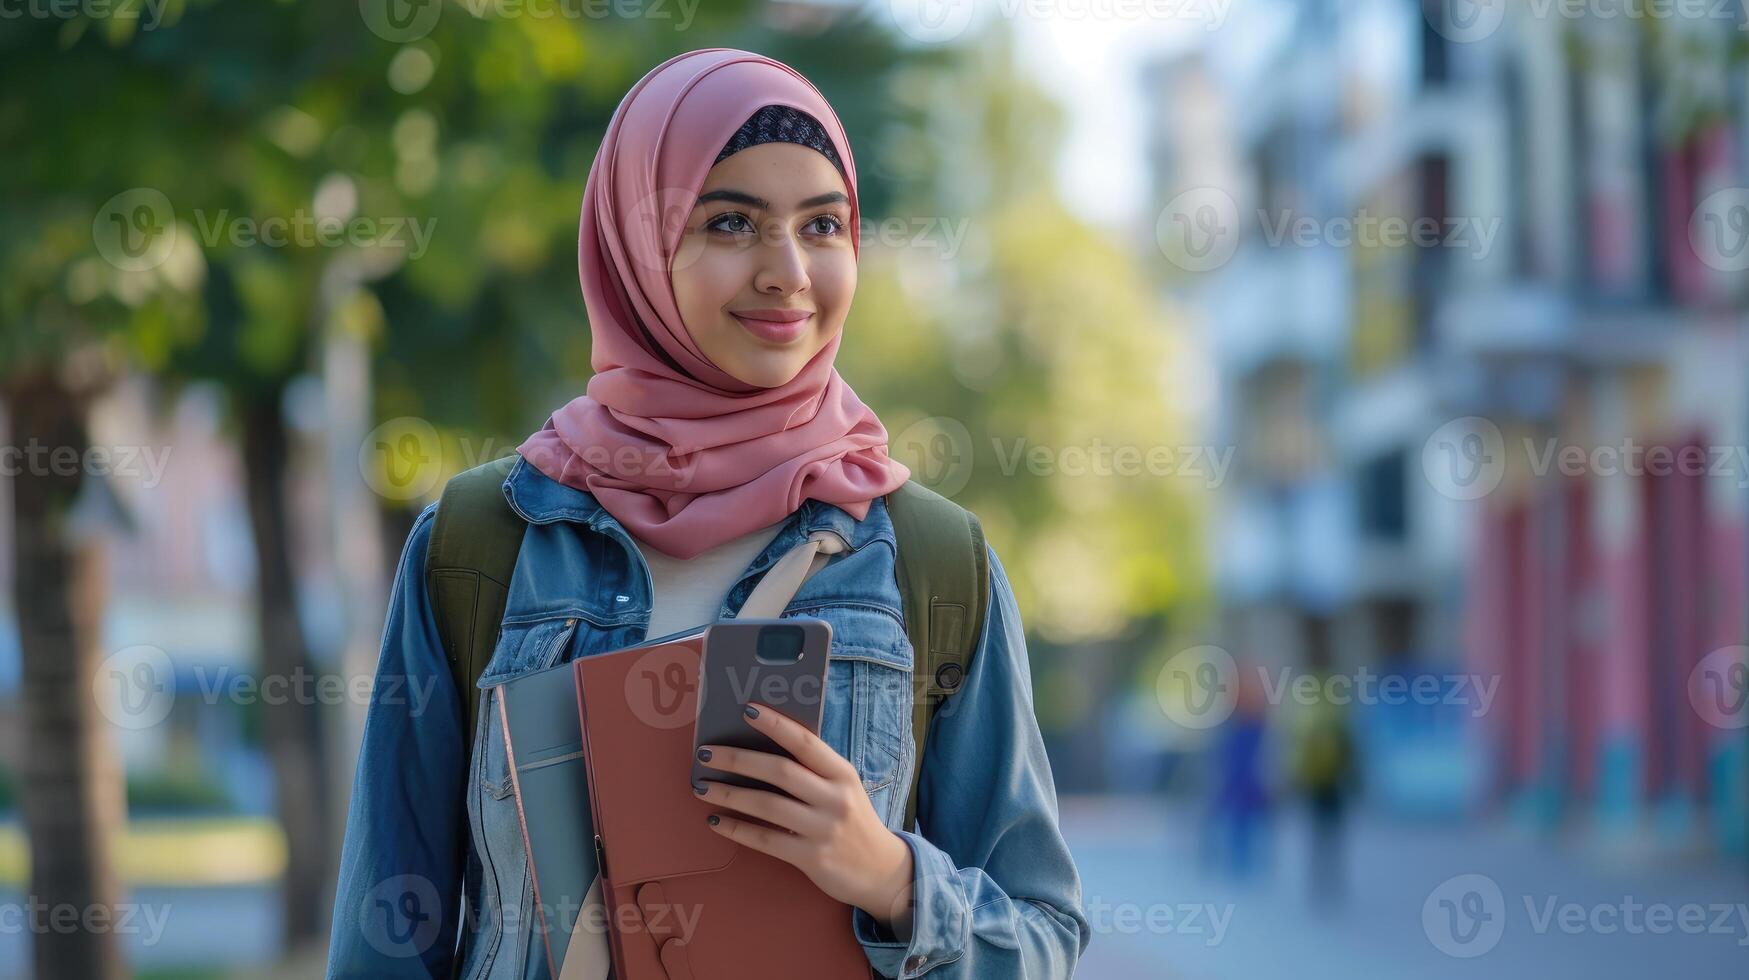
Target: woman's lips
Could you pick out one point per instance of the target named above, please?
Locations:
(776, 331)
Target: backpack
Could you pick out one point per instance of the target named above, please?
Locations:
(1324, 760)
(943, 574)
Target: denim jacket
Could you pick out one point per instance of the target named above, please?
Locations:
(433, 869)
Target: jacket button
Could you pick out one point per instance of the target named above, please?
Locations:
(949, 676)
(915, 963)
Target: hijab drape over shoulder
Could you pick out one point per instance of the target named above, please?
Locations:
(680, 452)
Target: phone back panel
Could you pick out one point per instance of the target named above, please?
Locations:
(732, 674)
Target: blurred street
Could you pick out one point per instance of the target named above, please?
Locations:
(1140, 862)
(1138, 852)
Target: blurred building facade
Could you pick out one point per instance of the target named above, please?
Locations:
(1477, 454)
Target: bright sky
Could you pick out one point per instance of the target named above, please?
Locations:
(1087, 55)
(1092, 67)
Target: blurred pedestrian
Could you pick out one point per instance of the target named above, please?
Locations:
(1323, 773)
(1239, 804)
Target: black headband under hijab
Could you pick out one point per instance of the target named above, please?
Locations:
(780, 123)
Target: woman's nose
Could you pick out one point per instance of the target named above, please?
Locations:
(782, 266)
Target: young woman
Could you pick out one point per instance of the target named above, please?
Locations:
(718, 256)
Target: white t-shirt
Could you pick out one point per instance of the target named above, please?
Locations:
(690, 591)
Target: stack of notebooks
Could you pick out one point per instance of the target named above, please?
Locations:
(629, 881)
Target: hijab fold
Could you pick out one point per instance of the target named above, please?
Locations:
(683, 454)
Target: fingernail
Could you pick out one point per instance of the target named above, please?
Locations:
(712, 820)
(752, 712)
(704, 755)
(698, 788)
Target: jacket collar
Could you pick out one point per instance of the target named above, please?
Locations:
(540, 499)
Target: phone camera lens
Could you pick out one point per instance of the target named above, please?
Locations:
(780, 644)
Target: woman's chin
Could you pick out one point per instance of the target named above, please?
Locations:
(754, 360)
(773, 377)
(768, 369)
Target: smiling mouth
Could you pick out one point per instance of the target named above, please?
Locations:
(775, 330)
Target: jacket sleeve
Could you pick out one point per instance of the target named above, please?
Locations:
(397, 901)
(995, 890)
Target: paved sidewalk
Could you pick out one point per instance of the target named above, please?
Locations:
(164, 928)
(1424, 901)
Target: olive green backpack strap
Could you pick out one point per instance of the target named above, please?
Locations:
(944, 579)
(474, 542)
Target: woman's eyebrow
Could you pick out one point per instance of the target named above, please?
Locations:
(754, 201)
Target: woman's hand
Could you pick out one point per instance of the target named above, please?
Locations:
(830, 830)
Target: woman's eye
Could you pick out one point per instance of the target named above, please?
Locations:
(735, 223)
(723, 222)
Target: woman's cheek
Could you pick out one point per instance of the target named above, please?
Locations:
(833, 283)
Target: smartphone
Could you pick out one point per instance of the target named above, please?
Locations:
(780, 663)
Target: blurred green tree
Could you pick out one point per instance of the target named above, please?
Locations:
(205, 191)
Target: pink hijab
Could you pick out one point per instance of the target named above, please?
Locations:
(680, 452)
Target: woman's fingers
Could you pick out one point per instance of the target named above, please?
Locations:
(773, 808)
(809, 749)
(784, 846)
(786, 774)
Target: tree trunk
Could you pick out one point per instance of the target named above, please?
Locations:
(291, 725)
(72, 795)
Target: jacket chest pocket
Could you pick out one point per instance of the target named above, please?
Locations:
(867, 716)
(521, 648)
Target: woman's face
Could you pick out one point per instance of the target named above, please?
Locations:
(765, 271)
